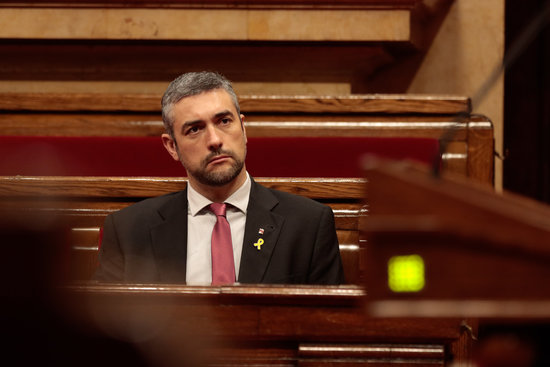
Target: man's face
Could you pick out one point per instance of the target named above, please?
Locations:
(210, 140)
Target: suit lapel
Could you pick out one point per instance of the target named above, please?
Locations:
(261, 233)
(169, 239)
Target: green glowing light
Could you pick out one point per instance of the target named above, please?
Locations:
(406, 273)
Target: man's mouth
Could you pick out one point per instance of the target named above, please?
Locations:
(218, 159)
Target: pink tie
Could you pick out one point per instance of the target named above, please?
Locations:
(223, 267)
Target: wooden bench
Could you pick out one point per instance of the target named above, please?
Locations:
(468, 149)
(80, 204)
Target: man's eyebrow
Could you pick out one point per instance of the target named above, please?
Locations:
(223, 114)
(218, 115)
(187, 124)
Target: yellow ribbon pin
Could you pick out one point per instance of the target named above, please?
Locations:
(259, 243)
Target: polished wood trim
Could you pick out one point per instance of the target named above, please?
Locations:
(125, 187)
(419, 353)
(342, 295)
(80, 102)
(381, 128)
(221, 4)
(366, 103)
(283, 125)
(291, 312)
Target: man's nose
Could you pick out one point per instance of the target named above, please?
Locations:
(214, 139)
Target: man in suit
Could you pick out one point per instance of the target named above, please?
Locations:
(276, 237)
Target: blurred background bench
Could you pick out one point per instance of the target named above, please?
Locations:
(98, 134)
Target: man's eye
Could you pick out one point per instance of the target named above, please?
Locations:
(225, 121)
(193, 130)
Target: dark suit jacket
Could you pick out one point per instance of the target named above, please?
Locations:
(147, 242)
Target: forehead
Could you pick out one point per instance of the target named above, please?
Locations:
(203, 106)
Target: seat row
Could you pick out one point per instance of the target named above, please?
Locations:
(298, 136)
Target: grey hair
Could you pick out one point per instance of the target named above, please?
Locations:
(191, 84)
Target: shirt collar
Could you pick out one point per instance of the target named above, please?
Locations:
(239, 199)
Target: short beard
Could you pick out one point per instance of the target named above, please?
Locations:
(217, 178)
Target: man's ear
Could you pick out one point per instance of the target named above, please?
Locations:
(170, 145)
(244, 130)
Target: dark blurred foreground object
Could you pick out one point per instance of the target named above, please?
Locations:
(471, 243)
(36, 326)
(447, 247)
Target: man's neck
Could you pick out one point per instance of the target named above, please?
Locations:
(219, 194)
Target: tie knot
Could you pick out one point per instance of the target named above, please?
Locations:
(218, 209)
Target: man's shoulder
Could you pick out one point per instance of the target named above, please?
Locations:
(149, 205)
(291, 200)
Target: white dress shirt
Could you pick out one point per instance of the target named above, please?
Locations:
(200, 223)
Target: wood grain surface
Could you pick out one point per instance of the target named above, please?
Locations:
(370, 103)
(125, 187)
(220, 4)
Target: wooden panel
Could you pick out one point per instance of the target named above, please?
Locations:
(375, 103)
(370, 103)
(194, 24)
(164, 21)
(375, 126)
(205, 4)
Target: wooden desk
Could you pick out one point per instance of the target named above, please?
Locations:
(269, 325)
(466, 252)
(91, 324)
